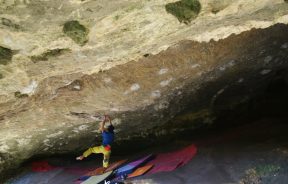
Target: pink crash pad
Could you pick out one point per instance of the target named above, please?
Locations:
(170, 161)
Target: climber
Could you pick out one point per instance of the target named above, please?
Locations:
(107, 140)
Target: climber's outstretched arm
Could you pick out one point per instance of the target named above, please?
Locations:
(108, 118)
(102, 124)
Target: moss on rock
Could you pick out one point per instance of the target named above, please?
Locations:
(18, 94)
(9, 23)
(193, 116)
(1, 76)
(184, 10)
(267, 169)
(217, 6)
(5, 55)
(48, 54)
(76, 31)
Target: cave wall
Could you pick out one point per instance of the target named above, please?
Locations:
(154, 75)
(190, 83)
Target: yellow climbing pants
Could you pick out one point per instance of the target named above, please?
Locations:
(99, 149)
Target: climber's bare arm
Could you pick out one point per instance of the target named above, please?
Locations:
(109, 119)
(102, 124)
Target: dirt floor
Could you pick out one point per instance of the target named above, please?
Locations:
(250, 154)
(254, 153)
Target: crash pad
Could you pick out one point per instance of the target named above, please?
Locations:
(129, 168)
(95, 172)
(140, 171)
(115, 165)
(97, 179)
(82, 178)
(101, 170)
(170, 161)
(41, 166)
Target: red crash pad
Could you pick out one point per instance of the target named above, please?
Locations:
(41, 166)
(170, 161)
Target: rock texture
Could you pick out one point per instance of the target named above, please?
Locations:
(154, 75)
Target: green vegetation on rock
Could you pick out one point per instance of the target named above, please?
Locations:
(116, 17)
(193, 116)
(76, 31)
(18, 94)
(5, 55)
(1, 76)
(268, 169)
(48, 54)
(190, 120)
(9, 23)
(184, 10)
(217, 6)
